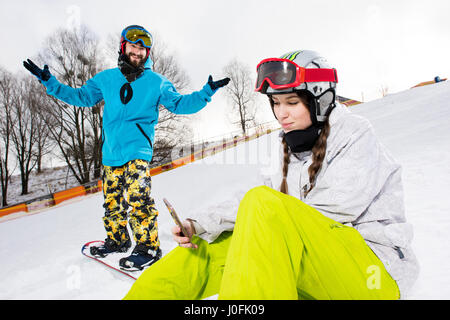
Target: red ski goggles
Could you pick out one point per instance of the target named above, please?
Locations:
(284, 73)
(134, 35)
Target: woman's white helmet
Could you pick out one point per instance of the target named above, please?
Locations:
(322, 94)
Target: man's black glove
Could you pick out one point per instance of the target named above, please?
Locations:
(41, 74)
(217, 84)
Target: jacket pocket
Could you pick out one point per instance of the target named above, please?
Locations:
(145, 135)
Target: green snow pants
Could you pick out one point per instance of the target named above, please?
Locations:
(280, 248)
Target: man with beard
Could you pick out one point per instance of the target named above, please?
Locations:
(132, 94)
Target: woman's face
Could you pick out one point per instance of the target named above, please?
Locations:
(291, 112)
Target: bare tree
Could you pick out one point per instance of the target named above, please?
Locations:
(24, 131)
(37, 102)
(165, 63)
(74, 57)
(6, 97)
(240, 92)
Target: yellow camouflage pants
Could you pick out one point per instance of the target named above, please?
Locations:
(126, 191)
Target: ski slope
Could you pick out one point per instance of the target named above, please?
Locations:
(40, 254)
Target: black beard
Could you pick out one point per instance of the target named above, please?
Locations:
(129, 69)
(137, 64)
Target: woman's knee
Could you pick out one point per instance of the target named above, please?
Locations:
(260, 203)
(260, 194)
(269, 204)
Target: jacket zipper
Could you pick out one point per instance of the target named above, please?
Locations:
(400, 253)
(301, 187)
(145, 135)
(103, 139)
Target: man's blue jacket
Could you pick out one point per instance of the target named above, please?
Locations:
(129, 129)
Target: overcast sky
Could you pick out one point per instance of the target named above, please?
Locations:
(390, 43)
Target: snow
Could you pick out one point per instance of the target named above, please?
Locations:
(40, 253)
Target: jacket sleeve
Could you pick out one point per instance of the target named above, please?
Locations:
(184, 104)
(210, 222)
(213, 219)
(358, 167)
(86, 96)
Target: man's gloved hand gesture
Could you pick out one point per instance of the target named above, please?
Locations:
(41, 74)
(217, 84)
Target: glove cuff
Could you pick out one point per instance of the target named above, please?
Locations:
(208, 90)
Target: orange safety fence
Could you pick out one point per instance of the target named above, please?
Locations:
(350, 102)
(428, 83)
(13, 209)
(69, 194)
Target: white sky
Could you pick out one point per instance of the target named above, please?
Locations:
(392, 43)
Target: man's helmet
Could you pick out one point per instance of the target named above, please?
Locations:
(300, 71)
(134, 34)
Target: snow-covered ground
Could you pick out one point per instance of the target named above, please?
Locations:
(40, 254)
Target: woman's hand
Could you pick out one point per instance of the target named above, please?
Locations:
(184, 240)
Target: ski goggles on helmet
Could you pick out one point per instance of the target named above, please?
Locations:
(136, 34)
(283, 73)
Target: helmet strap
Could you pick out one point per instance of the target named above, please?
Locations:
(317, 117)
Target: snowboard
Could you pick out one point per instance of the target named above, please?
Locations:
(111, 261)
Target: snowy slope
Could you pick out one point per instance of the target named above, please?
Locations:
(40, 254)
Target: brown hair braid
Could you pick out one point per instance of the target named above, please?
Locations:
(318, 155)
(286, 161)
(318, 151)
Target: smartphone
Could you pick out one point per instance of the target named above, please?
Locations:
(175, 217)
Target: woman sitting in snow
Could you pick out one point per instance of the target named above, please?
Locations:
(335, 230)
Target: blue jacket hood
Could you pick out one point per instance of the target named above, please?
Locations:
(149, 63)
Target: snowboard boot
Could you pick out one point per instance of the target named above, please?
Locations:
(110, 246)
(141, 257)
